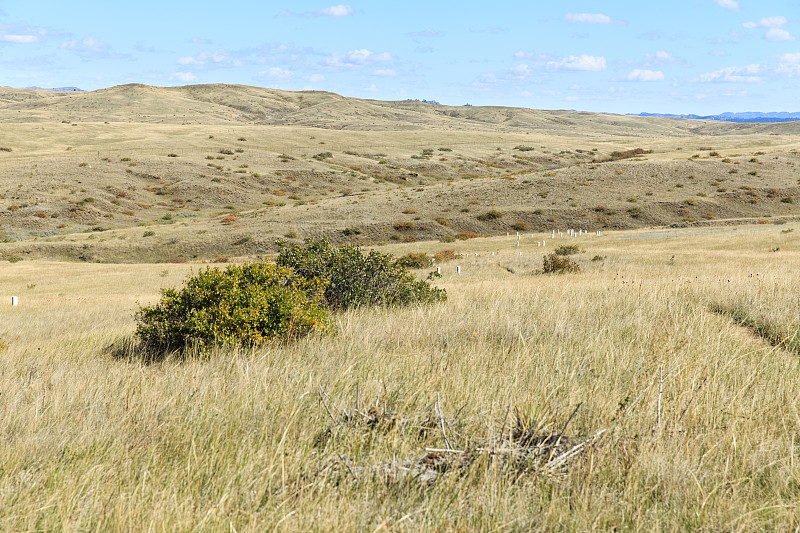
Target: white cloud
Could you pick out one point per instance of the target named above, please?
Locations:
(521, 69)
(589, 18)
(767, 22)
(357, 58)
(86, 47)
(187, 77)
(789, 64)
(206, 57)
(728, 4)
(660, 57)
(189, 61)
(19, 39)
(276, 72)
(316, 78)
(776, 35)
(199, 40)
(428, 34)
(384, 72)
(340, 10)
(645, 75)
(584, 62)
(731, 74)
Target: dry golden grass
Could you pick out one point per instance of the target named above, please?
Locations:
(243, 441)
(89, 173)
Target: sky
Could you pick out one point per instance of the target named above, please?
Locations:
(619, 56)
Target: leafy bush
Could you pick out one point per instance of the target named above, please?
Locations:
(414, 260)
(404, 226)
(467, 235)
(243, 305)
(445, 255)
(554, 264)
(490, 215)
(355, 279)
(567, 249)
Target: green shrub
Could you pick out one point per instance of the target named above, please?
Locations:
(354, 230)
(490, 215)
(355, 279)
(554, 264)
(567, 249)
(404, 226)
(446, 255)
(243, 305)
(414, 260)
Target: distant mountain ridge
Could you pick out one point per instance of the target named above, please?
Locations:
(748, 116)
(59, 89)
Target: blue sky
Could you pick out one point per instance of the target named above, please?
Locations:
(682, 56)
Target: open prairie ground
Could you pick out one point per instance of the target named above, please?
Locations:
(657, 389)
(171, 174)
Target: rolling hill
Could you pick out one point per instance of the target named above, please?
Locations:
(195, 172)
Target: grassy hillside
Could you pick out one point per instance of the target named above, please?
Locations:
(86, 175)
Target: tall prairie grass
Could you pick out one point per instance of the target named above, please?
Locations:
(700, 410)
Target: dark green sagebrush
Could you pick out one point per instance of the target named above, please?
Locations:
(355, 279)
(243, 305)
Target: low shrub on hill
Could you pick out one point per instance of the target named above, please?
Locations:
(243, 305)
(355, 279)
(567, 249)
(414, 260)
(445, 255)
(489, 216)
(555, 264)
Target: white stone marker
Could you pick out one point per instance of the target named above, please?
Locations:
(438, 270)
(14, 300)
(458, 270)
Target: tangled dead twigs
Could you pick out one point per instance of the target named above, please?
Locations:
(526, 448)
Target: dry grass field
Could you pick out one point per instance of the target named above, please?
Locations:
(219, 170)
(656, 389)
(649, 391)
